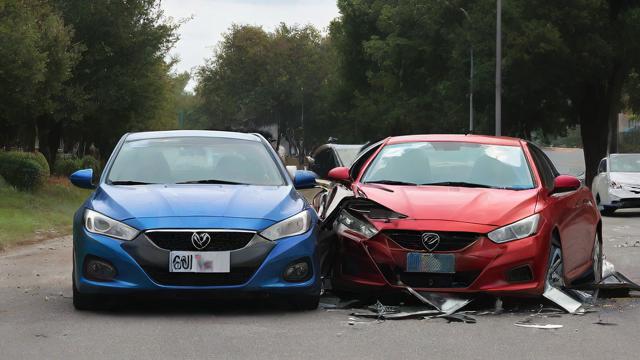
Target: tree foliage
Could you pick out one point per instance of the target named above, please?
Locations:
(260, 78)
(83, 71)
(404, 65)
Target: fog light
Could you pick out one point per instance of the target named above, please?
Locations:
(297, 271)
(520, 274)
(99, 269)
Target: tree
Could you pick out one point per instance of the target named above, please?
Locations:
(122, 75)
(258, 78)
(36, 61)
(565, 63)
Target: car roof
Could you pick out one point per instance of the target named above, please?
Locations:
(477, 139)
(337, 147)
(191, 133)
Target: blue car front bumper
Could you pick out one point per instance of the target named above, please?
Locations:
(142, 266)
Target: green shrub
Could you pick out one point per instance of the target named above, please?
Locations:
(22, 171)
(66, 166)
(35, 156)
(89, 161)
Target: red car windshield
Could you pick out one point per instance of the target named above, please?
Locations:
(451, 164)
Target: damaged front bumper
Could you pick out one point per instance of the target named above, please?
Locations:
(516, 268)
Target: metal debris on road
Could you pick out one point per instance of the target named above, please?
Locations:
(446, 303)
(561, 299)
(539, 326)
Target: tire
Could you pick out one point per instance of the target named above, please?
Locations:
(555, 274)
(304, 302)
(87, 302)
(597, 258)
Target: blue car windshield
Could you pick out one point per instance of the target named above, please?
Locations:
(205, 160)
(451, 164)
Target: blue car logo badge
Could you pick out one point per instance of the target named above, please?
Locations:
(430, 241)
(200, 241)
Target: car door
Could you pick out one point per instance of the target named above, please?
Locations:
(600, 185)
(572, 214)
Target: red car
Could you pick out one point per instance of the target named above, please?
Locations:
(459, 214)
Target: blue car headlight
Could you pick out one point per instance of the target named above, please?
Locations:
(295, 225)
(97, 223)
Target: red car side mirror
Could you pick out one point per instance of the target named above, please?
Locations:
(565, 183)
(340, 174)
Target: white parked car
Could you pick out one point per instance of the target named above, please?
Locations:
(617, 184)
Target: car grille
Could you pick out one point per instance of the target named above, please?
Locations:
(449, 241)
(460, 279)
(237, 276)
(181, 240)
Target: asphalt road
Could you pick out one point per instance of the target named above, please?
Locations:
(37, 321)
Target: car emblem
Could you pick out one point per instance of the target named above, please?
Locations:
(200, 241)
(430, 241)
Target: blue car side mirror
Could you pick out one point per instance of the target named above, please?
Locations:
(83, 179)
(304, 179)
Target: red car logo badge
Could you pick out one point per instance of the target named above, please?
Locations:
(200, 241)
(430, 241)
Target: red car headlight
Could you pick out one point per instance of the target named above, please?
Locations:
(518, 230)
(350, 224)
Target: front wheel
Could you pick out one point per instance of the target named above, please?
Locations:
(83, 302)
(555, 274)
(304, 302)
(597, 259)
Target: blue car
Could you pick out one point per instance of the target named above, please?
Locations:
(195, 211)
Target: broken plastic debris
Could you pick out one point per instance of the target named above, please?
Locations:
(607, 268)
(618, 281)
(398, 315)
(538, 326)
(561, 299)
(446, 303)
(458, 318)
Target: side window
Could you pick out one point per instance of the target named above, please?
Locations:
(323, 163)
(359, 162)
(546, 169)
(603, 166)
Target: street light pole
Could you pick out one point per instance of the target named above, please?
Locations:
(471, 91)
(471, 70)
(499, 68)
(302, 155)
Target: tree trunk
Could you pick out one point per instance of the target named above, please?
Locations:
(599, 104)
(594, 128)
(53, 141)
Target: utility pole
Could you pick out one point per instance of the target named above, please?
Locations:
(499, 68)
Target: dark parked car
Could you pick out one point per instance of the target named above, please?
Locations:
(329, 156)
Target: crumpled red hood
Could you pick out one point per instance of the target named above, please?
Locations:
(470, 205)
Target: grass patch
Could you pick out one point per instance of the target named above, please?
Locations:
(43, 214)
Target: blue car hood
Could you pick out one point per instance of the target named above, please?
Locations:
(272, 203)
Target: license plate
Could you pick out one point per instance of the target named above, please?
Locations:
(199, 262)
(431, 263)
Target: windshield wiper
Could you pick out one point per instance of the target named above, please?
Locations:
(391, 182)
(459, 184)
(211, 181)
(129, 182)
